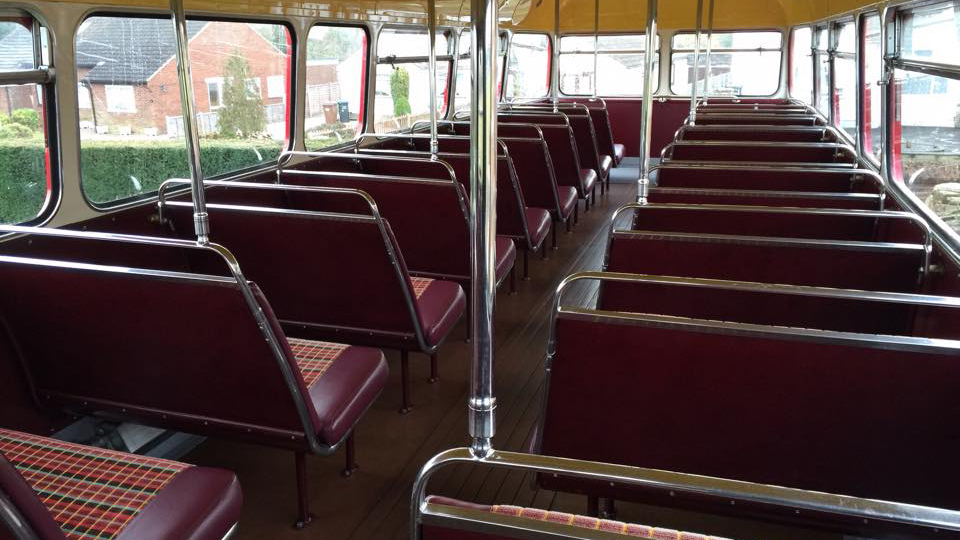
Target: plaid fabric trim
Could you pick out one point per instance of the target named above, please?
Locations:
(627, 529)
(90, 492)
(314, 358)
(420, 285)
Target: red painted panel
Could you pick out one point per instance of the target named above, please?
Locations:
(668, 116)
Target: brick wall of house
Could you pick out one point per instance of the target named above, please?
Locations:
(209, 50)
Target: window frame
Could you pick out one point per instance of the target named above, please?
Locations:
(810, 58)
(291, 105)
(44, 77)
(835, 53)
(863, 122)
(817, 52)
(506, 64)
(559, 56)
(783, 47)
(503, 53)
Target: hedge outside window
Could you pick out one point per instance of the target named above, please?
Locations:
(25, 185)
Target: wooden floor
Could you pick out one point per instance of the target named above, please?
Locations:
(374, 503)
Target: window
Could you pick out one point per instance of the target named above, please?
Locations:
(84, 97)
(336, 69)
(926, 110)
(120, 99)
(25, 180)
(134, 136)
(801, 66)
(528, 71)
(872, 73)
(823, 71)
(620, 63)
(741, 63)
(463, 88)
(403, 78)
(845, 79)
(215, 93)
(253, 89)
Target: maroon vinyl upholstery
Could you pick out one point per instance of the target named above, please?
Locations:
(506, 257)
(756, 406)
(747, 151)
(66, 490)
(627, 530)
(588, 179)
(840, 181)
(823, 263)
(800, 199)
(757, 133)
(745, 119)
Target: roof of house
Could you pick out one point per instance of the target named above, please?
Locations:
(122, 50)
(16, 49)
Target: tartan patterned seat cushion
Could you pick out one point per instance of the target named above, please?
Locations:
(314, 358)
(586, 522)
(420, 285)
(89, 492)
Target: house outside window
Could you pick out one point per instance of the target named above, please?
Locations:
(276, 87)
(121, 99)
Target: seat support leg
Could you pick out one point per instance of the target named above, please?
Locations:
(568, 224)
(350, 449)
(544, 252)
(434, 369)
(576, 214)
(304, 517)
(593, 506)
(609, 509)
(526, 264)
(405, 382)
(553, 235)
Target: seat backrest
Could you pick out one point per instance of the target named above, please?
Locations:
(326, 274)
(772, 119)
(769, 178)
(435, 243)
(681, 384)
(799, 199)
(153, 332)
(757, 133)
(872, 266)
(827, 154)
(564, 156)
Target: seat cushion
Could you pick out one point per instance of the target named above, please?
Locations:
(606, 162)
(538, 225)
(506, 257)
(588, 178)
(96, 493)
(420, 284)
(586, 522)
(441, 303)
(568, 200)
(342, 380)
(619, 151)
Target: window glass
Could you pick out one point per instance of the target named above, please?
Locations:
(873, 72)
(132, 137)
(24, 183)
(528, 72)
(823, 72)
(462, 99)
(926, 141)
(932, 34)
(845, 80)
(336, 60)
(403, 78)
(620, 63)
(801, 76)
(741, 63)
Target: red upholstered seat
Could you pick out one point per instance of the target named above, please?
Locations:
(619, 151)
(95, 493)
(588, 178)
(440, 304)
(506, 255)
(419, 285)
(538, 223)
(617, 527)
(568, 200)
(606, 162)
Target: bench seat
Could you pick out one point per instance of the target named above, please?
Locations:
(538, 224)
(440, 304)
(506, 256)
(588, 178)
(568, 201)
(606, 162)
(67, 490)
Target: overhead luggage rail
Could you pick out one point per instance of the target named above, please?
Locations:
(258, 386)
(819, 386)
(816, 154)
(398, 311)
(808, 134)
(54, 490)
(434, 518)
(800, 199)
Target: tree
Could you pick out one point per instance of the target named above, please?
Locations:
(400, 90)
(242, 114)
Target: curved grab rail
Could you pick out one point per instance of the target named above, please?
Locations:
(285, 157)
(730, 491)
(271, 338)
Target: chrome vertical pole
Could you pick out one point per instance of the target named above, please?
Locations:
(201, 221)
(890, 46)
(696, 64)
(596, 43)
(432, 68)
(555, 74)
(483, 218)
(706, 83)
(646, 116)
